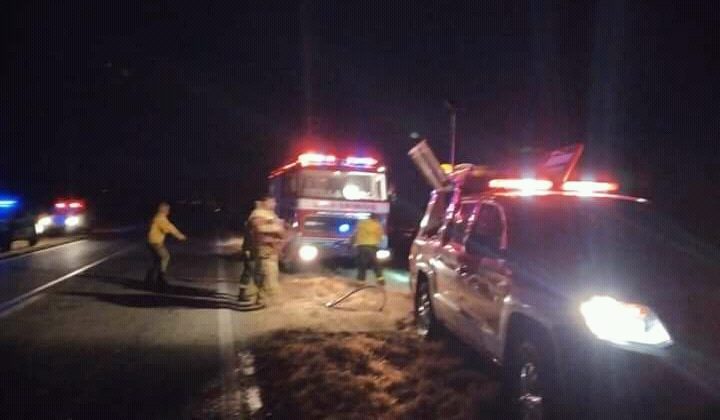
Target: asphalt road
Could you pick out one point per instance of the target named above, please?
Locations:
(96, 345)
(80, 337)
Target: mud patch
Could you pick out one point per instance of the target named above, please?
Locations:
(382, 375)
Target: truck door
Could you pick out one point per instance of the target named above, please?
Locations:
(485, 276)
(447, 263)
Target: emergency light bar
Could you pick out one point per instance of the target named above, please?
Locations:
(310, 158)
(6, 204)
(589, 187)
(360, 161)
(522, 184)
(306, 159)
(321, 159)
(71, 204)
(532, 184)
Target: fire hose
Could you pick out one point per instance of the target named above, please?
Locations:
(351, 292)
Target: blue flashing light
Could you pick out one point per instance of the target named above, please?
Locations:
(344, 228)
(8, 203)
(361, 162)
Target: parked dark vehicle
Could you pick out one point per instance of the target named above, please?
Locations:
(17, 222)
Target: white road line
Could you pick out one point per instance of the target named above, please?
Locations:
(20, 306)
(253, 399)
(6, 306)
(247, 362)
(40, 251)
(226, 341)
(252, 395)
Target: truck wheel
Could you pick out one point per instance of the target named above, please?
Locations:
(33, 239)
(425, 322)
(6, 242)
(530, 377)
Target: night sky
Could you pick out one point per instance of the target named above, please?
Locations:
(176, 100)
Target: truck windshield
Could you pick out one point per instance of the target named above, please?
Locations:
(342, 185)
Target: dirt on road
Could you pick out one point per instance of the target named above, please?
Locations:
(356, 361)
(380, 375)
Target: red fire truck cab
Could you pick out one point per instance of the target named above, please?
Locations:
(322, 198)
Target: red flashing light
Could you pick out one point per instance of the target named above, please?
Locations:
(75, 204)
(306, 159)
(522, 184)
(589, 187)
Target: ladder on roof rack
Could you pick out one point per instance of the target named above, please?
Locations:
(556, 165)
(559, 164)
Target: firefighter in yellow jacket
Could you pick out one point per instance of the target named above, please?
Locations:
(367, 238)
(159, 228)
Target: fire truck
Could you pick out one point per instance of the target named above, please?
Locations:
(322, 198)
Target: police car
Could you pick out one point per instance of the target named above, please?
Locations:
(16, 223)
(594, 304)
(67, 216)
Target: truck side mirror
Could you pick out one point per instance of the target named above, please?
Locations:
(391, 192)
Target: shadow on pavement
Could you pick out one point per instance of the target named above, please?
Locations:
(173, 289)
(143, 381)
(166, 300)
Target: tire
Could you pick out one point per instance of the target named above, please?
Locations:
(5, 242)
(426, 324)
(529, 377)
(33, 239)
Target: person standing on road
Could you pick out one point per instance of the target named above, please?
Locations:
(249, 279)
(367, 237)
(159, 228)
(268, 238)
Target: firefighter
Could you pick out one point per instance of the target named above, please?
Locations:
(249, 279)
(159, 228)
(268, 236)
(367, 237)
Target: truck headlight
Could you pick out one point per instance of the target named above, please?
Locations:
(383, 254)
(308, 253)
(623, 323)
(73, 221)
(42, 224)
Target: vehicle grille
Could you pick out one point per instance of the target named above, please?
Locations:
(329, 226)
